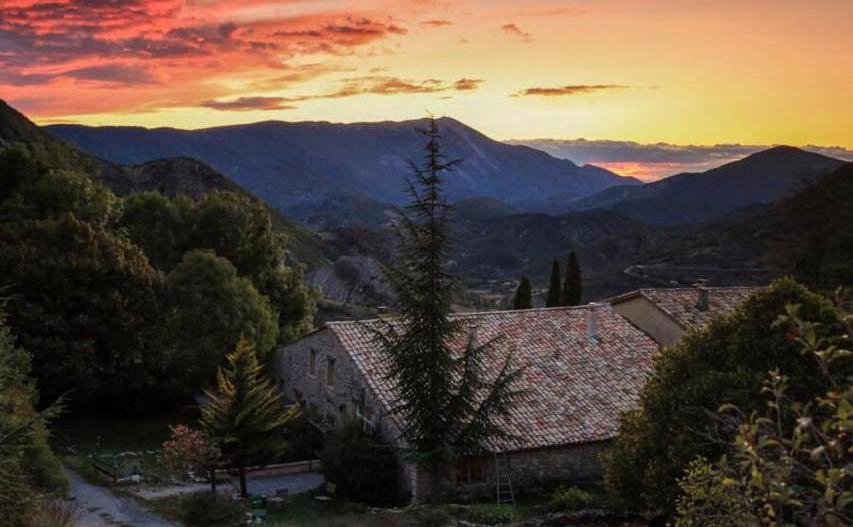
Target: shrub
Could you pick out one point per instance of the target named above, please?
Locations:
(773, 475)
(724, 363)
(200, 510)
(361, 466)
(55, 513)
(569, 499)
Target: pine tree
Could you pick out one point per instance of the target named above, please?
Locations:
(554, 292)
(244, 415)
(573, 286)
(522, 298)
(448, 407)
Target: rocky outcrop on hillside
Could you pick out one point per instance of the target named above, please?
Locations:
(353, 280)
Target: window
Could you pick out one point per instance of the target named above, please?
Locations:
(312, 363)
(470, 470)
(330, 373)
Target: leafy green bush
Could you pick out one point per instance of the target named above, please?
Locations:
(724, 363)
(569, 499)
(774, 475)
(361, 466)
(200, 510)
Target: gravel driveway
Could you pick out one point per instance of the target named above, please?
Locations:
(99, 507)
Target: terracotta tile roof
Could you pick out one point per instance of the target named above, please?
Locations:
(681, 304)
(576, 387)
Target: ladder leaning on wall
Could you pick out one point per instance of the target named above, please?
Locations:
(503, 481)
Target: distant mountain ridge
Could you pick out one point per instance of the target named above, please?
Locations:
(291, 163)
(692, 198)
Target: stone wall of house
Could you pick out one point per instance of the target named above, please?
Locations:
(338, 401)
(544, 467)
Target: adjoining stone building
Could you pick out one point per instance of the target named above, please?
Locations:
(582, 367)
(666, 314)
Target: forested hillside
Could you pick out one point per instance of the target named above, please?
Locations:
(132, 299)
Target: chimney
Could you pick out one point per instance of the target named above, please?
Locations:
(472, 333)
(702, 302)
(592, 321)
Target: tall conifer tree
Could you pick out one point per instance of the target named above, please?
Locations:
(573, 286)
(523, 295)
(554, 291)
(244, 415)
(448, 407)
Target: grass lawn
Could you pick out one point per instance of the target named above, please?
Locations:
(78, 437)
(304, 511)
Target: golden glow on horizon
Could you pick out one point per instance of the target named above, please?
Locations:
(679, 71)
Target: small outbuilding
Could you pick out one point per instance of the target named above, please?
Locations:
(666, 314)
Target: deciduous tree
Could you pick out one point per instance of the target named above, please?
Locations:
(211, 309)
(189, 450)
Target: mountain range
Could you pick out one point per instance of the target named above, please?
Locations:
(780, 211)
(291, 164)
(693, 198)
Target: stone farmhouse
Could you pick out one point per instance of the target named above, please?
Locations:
(666, 314)
(583, 366)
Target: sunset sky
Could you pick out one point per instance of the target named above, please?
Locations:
(682, 71)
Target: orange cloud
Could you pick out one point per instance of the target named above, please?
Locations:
(514, 30)
(574, 89)
(150, 46)
(466, 84)
(436, 23)
(243, 104)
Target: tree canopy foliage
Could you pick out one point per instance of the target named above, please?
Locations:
(28, 469)
(85, 270)
(211, 308)
(774, 474)
(85, 302)
(724, 363)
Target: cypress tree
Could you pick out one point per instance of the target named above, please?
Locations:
(522, 298)
(572, 287)
(244, 415)
(448, 407)
(554, 291)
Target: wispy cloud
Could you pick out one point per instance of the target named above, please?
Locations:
(466, 84)
(572, 89)
(515, 31)
(351, 87)
(436, 23)
(244, 104)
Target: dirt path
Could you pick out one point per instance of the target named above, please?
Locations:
(267, 485)
(101, 508)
